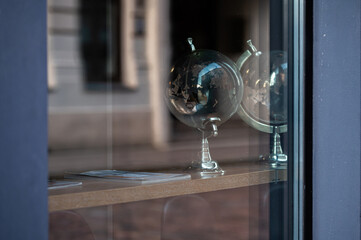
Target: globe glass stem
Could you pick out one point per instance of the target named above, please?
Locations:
(277, 158)
(206, 156)
(206, 166)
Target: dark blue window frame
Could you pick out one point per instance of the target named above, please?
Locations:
(336, 120)
(23, 120)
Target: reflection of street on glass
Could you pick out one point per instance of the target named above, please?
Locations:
(110, 77)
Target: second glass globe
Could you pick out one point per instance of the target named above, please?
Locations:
(264, 104)
(265, 85)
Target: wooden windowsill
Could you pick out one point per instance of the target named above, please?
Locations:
(100, 193)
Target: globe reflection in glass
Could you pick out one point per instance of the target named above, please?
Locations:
(265, 87)
(264, 103)
(204, 90)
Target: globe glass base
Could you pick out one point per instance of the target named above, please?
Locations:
(206, 169)
(275, 160)
(206, 166)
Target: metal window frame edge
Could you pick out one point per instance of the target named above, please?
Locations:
(298, 116)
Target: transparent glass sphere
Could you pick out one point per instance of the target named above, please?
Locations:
(203, 85)
(265, 87)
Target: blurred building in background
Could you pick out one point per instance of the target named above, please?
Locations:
(107, 61)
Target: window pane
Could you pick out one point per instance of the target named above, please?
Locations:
(198, 87)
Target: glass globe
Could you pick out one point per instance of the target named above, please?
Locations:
(264, 102)
(203, 91)
(204, 85)
(265, 87)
